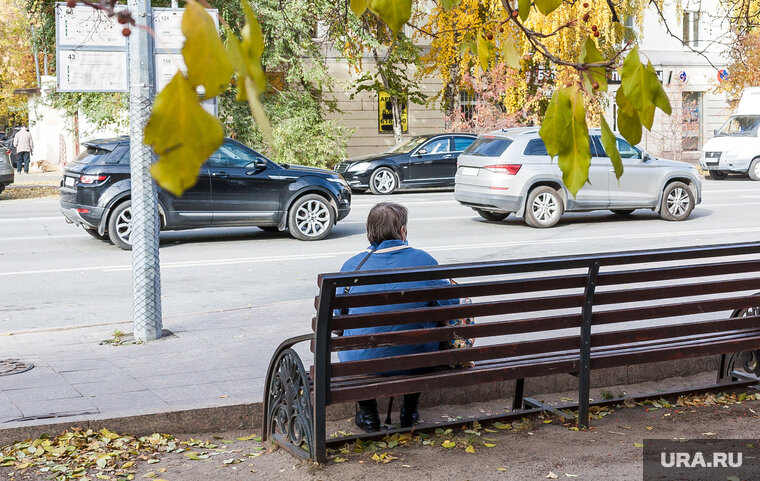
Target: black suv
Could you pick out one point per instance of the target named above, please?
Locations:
(421, 161)
(237, 186)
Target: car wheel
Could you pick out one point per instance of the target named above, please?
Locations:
(677, 202)
(269, 228)
(383, 181)
(622, 212)
(544, 207)
(754, 170)
(2, 188)
(718, 174)
(120, 225)
(94, 233)
(311, 218)
(492, 216)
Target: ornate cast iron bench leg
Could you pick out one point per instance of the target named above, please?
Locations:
(732, 365)
(288, 412)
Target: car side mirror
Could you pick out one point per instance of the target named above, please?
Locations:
(422, 152)
(646, 157)
(258, 164)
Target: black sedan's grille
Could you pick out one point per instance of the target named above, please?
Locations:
(341, 167)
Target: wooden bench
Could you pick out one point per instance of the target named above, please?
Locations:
(534, 317)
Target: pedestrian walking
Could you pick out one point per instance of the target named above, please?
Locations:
(387, 235)
(24, 146)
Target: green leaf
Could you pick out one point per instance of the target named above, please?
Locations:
(484, 52)
(590, 54)
(571, 143)
(628, 120)
(638, 445)
(449, 4)
(556, 123)
(661, 100)
(467, 46)
(523, 6)
(395, 13)
(252, 48)
(359, 6)
(469, 449)
(609, 142)
(183, 135)
(203, 51)
(509, 51)
(448, 444)
(547, 6)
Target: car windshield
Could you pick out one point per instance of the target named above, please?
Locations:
(488, 146)
(740, 126)
(91, 154)
(408, 146)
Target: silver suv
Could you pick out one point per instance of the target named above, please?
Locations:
(509, 171)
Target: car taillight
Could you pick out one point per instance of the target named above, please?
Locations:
(510, 169)
(83, 210)
(91, 179)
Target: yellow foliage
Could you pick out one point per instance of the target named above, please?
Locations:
(16, 61)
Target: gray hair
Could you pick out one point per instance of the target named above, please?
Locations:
(385, 221)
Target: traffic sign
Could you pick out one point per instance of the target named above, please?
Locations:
(92, 71)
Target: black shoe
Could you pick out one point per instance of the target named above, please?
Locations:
(410, 415)
(367, 418)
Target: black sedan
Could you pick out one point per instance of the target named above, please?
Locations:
(237, 186)
(421, 161)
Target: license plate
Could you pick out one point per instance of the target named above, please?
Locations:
(469, 171)
(69, 181)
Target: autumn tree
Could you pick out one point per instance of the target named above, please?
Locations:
(16, 62)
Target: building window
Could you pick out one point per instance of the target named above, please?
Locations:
(690, 28)
(691, 132)
(467, 102)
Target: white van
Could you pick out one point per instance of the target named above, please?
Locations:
(736, 145)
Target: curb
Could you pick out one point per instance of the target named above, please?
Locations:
(247, 416)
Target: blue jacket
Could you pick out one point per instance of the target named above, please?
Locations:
(391, 254)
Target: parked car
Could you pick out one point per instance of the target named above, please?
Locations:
(6, 169)
(8, 143)
(509, 171)
(735, 148)
(421, 161)
(237, 186)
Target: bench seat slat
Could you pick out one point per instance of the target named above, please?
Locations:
(380, 386)
(444, 313)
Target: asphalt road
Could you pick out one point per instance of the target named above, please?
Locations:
(53, 274)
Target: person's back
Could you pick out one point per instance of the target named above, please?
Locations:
(24, 146)
(387, 234)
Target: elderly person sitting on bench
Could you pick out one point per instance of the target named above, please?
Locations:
(387, 235)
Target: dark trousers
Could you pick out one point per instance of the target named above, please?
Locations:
(23, 161)
(409, 399)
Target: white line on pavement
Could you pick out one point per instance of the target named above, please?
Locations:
(432, 248)
(39, 237)
(27, 219)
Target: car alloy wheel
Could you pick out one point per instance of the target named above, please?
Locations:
(311, 218)
(383, 181)
(544, 207)
(678, 202)
(120, 225)
(754, 170)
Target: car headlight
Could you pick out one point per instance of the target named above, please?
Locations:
(358, 167)
(339, 180)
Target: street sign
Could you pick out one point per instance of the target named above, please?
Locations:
(722, 75)
(385, 114)
(92, 71)
(87, 27)
(91, 51)
(167, 65)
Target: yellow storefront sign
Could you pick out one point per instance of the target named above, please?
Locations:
(385, 115)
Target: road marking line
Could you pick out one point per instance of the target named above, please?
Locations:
(440, 248)
(26, 219)
(42, 237)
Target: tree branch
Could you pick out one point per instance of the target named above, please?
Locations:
(667, 29)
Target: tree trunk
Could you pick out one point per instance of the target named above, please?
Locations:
(397, 128)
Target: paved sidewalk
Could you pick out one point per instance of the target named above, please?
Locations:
(211, 359)
(36, 178)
